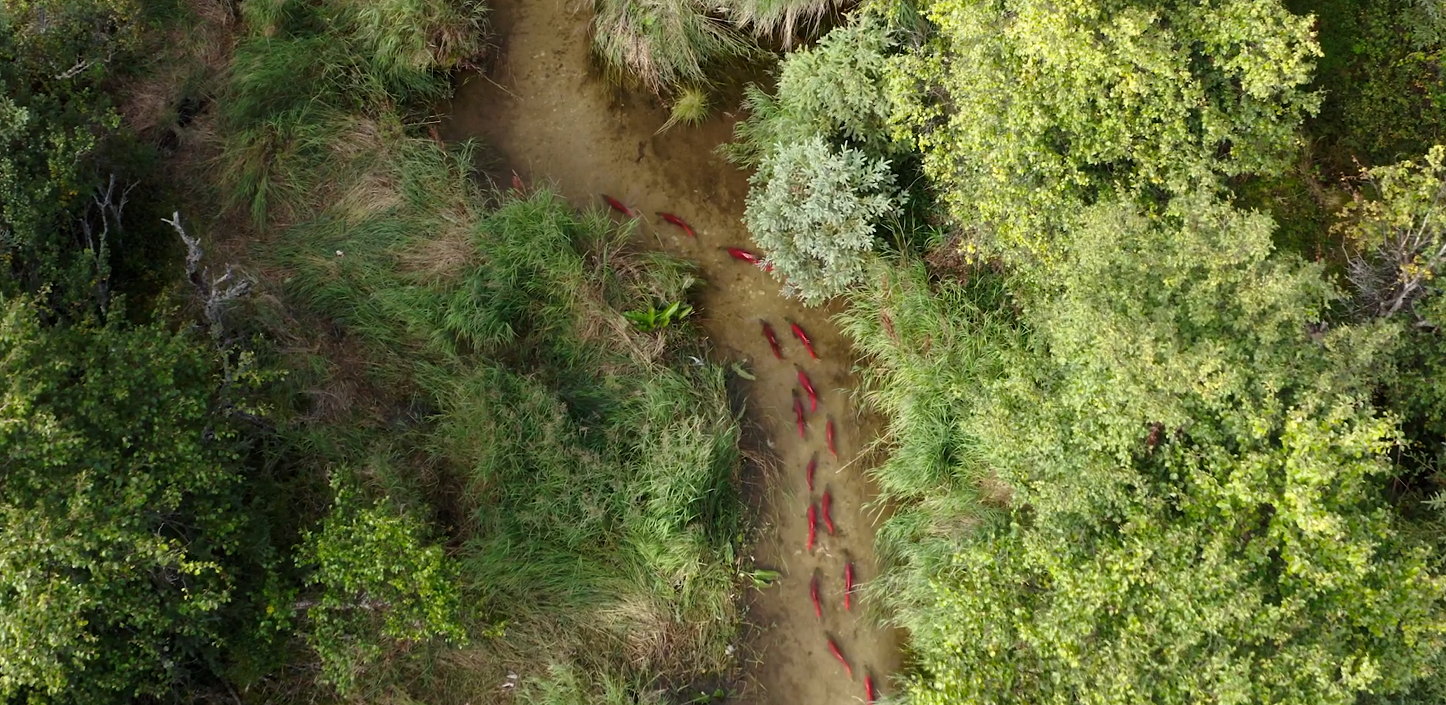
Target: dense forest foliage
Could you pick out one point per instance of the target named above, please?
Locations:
(409, 450)
(1146, 293)
(1156, 342)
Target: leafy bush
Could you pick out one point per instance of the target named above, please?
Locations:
(1024, 110)
(378, 580)
(1385, 90)
(834, 89)
(59, 64)
(812, 209)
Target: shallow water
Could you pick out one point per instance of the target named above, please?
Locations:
(553, 120)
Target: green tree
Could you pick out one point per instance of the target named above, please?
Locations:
(812, 209)
(378, 582)
(1025, 109)
(120, 519)
(55, 59)
(1189, 469)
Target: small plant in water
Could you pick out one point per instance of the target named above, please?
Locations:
(690, 108)
(763, 578)
(705, 697)
(653, 318)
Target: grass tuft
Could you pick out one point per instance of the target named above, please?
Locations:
(791, 21)
(662, 44)
(689, 108)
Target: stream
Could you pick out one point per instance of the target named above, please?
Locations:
(554, 121)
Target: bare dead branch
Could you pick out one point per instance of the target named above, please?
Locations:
(216, 294)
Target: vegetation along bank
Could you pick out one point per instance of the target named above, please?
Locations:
(300, 407)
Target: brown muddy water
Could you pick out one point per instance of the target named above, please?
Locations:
(554, 121)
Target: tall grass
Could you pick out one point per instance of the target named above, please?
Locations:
(306, 71)
(789, 21)
(663, 44)
(930, 343)
(587, 474)
(670, 45)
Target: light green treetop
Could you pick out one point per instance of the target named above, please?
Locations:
(377, 580)
(1024, 109)
(1194, 468)
(812, 208)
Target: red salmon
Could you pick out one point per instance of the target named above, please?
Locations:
(828, 511)
(808, 386)
(772, 339)
(740, 253)
(848, 585)
(798, 412)
(833, 648)
(869, 690)
(812, 525)
(812, 466)
(831, 449)
(803, 338)
(675, 220)
(813, 593)
(749, 257)
(619, 207)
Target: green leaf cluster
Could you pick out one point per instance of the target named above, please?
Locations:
(653, 318)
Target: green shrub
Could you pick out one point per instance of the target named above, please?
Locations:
(124, 580)
(690, 107)
(812, 209)
(377, 581)
(60, 147)
(834, 89)
(1385, 90)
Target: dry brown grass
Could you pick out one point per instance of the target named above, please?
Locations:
(191, 52)
(995, 492)
(645, 625)
(367, 196)
(442, 257)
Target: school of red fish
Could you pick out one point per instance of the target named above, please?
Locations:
(822, 508)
